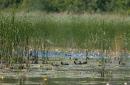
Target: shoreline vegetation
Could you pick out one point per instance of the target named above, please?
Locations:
(68, 6)
(20, 33)
(97, 30)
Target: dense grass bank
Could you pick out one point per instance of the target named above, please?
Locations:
(67, 30)
(21, 32)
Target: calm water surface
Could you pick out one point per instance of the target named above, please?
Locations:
(62, 76)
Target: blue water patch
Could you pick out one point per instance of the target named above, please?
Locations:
(91, 54)
(57, 54)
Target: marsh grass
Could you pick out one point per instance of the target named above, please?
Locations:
(21, 32)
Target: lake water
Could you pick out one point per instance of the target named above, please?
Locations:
(67, 75)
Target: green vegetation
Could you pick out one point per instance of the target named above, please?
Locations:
(63, 25)
(19, 34)
(78, 6)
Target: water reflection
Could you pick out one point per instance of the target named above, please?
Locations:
(23, 79)
(67, 75)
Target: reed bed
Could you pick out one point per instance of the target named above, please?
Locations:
(21, 32)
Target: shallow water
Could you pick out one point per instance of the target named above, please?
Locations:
(66, 75)
(61, 81)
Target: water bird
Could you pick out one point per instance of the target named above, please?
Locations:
(63, 63)
(80, 63)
